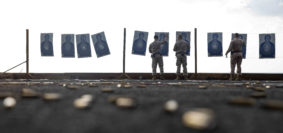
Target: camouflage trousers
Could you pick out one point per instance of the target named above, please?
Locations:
(236, 59)
(181, 60)
(157, 60)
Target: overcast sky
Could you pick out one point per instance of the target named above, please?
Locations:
(111, 16)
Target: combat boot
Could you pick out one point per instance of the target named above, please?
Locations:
(162, 77)
(154, 77)
(186, 77)
(178, 77)
(238, 78)
(231, 77)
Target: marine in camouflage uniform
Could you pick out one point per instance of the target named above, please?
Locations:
(236, 56)
(157, 59)
(181, 48)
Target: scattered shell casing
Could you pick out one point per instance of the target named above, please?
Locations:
(107, 90)
(73, 87)
(51, 96)
(273, 104)
(199, 119)
(242, 101)
(258, 95)
(9, 102)
(141, 86)
(83, 102)
(259, 88)
(119, 85)
(29, 93)
(127, 86)
(171, 106)
(87, 97)
(268, 87)
(80, 103)
(202, 87)
(125, 102)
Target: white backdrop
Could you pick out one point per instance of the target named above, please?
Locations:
(111, 16)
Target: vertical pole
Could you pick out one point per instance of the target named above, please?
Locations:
(27, 52)
(124, 52)
(196, 54)
(124, 75)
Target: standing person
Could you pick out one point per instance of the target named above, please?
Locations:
(155, 50)
(181, 48)
(235, 48)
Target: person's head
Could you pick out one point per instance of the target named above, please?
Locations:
(267, 38)
(98, 37)
(155, 37)
(46, 37)
(215, 36)
(237, 35)
(141, 35)
(180, 37)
